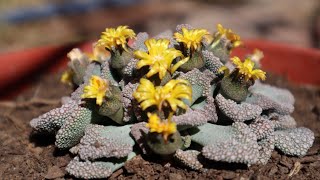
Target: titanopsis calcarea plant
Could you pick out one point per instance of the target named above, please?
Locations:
(159, 95)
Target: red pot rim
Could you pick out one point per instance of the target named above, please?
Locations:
(299, 65)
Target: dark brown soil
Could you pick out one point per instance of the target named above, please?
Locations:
(25, 155)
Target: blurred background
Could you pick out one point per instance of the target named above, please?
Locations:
(31, 23)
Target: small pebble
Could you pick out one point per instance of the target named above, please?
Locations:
(273, 170)
(175, 176)
(54, 172)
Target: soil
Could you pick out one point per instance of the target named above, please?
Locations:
(26, 155)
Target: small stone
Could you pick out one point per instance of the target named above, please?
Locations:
(273, 170)
(61, 161)
(275, 155)
(35, 150)
(175, 176)
(244, 178)
(228, 175)
(54, 172)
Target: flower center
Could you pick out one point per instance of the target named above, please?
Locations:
(158, 58)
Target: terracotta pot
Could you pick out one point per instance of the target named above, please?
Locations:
(20, 68)
(17, 69)
(299, 65)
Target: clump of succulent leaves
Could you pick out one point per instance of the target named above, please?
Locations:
(176, 95)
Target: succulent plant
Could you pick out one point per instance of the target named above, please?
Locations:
(160, 95)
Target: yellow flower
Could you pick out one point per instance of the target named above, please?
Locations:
(77, 55)
(256, 56)
(167, 95)
(153, 123)
(112, 38)
(221, 29)
(97, 88)
(156, 125)
(159, 57)
(67, 76)
(231, 36)
(225, 70)
(99, 53)
(191, 38)
(246, 68)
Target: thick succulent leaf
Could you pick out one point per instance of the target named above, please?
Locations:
(93, 68)
(138, 44)
(105, 142)
(73, 129)
(97, 169)
(241, 148)
(266, 149)
(188, 158)
(295, 142)
(284, 122)
(197, 117)
(138, 131)
(209, 134)
(52, 121)
(262, 127)
(128, 101)
(271, 98)
(237, 112)
(200, 81)
(106, 73)
(212, 62)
